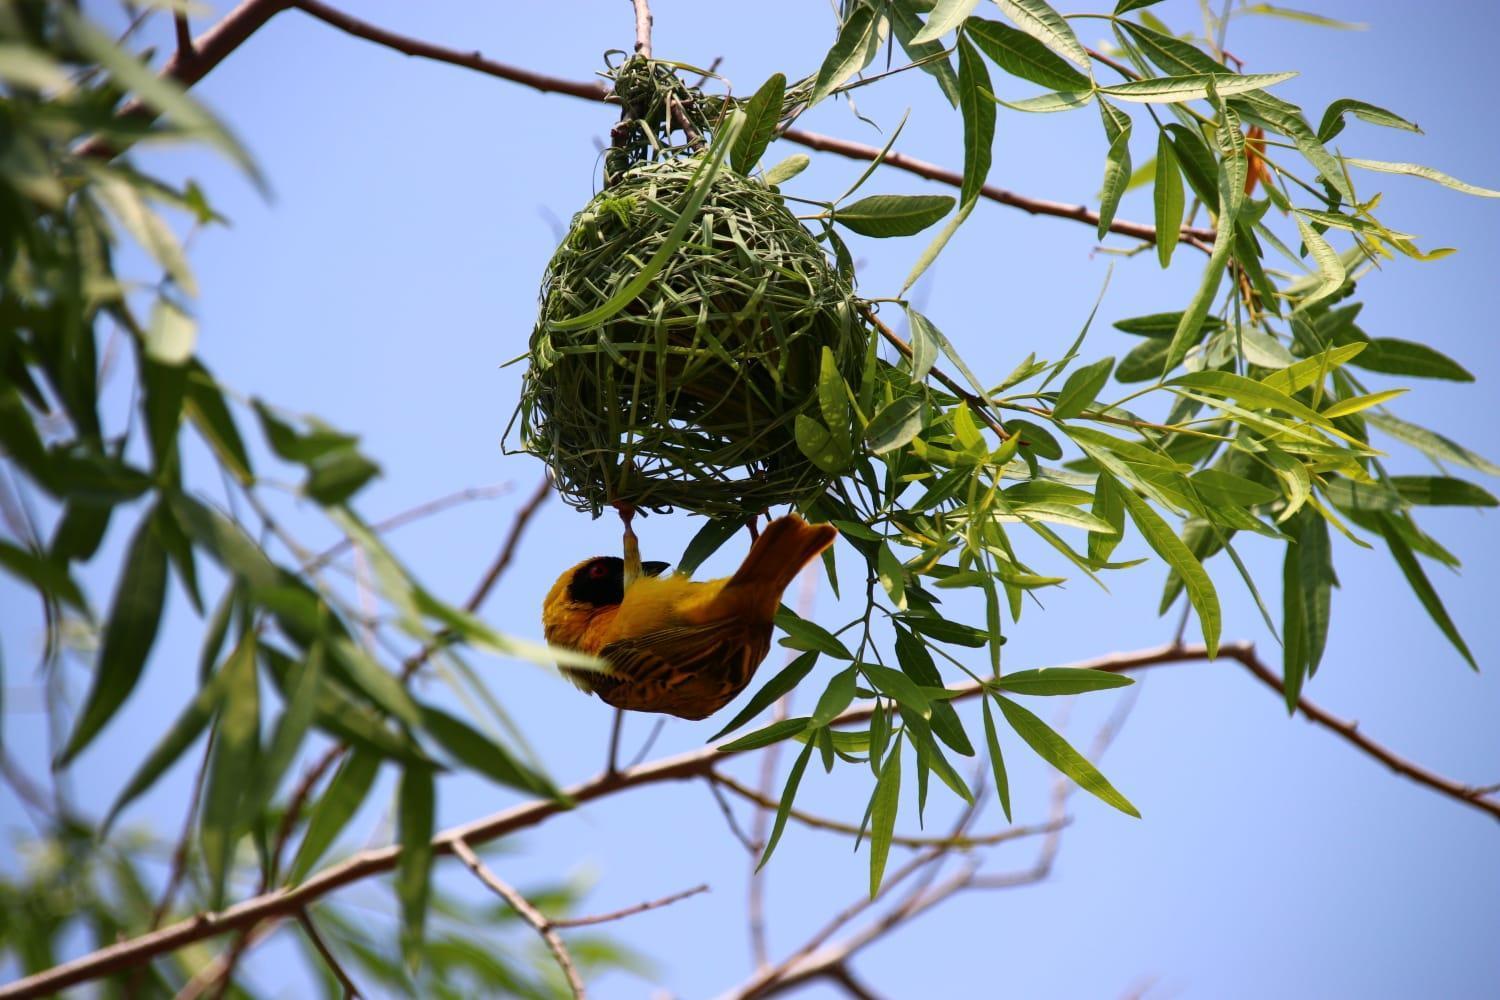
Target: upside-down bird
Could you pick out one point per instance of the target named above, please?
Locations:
(671, 644)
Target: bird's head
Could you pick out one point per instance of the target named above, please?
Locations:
(585, 588)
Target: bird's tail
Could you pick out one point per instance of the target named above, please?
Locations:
(778, 555)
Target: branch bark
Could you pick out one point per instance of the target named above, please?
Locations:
(528, 913)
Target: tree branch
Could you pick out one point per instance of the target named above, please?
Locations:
(643, 22)
(629, 911)
(214, 45)
(283, 902)
(529, 913)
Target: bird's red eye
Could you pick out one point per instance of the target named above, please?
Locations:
(598, 571)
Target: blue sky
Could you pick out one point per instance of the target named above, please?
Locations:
(395, 268)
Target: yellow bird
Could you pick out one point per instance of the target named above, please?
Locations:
(674, 645)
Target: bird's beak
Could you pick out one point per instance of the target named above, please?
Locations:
(654, 568)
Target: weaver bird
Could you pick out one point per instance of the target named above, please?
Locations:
(674, 645)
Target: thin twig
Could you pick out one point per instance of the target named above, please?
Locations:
(406, 517)
(184, 35)
(351, 992)
(650, 742)
(184, 841)
(630, 911)
(904, 840)
(527, 912)
(749, 844)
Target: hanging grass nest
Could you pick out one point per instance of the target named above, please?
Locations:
(685, 393)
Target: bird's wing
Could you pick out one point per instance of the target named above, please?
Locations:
(690, 670)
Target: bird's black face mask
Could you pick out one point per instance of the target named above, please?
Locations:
(601, 582)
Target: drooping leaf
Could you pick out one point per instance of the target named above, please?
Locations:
(1164, 540)
(883, 215)
(333, 810)
(762, 115)
(883, 808)
(1022, 55)
(997, 760)
(1423, 588)
(1168, 200)
(415, 813)
(236, 747)
(129, 635)
(978, 115)
(857, 44)
(784, 808)
(1040, 21)
(1058, 752)
(785, 681)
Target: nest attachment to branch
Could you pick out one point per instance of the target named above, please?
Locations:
(686, 395)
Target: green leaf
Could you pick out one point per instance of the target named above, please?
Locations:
(884, 805)
(774, 733)
(762, 115)
(1404, 357)
(1330, 265)
(1176, 89)
(1047, 26)
(1432, 443)
(236, 747)
(337, 805)
(43, 574)
(1295, 378)
(368, 677)
(827, 452)
(1189, 328)
(930, 254)
(1126, 6)
(128, 635)
(943, 630)
(929, 55)
(835, 698)
(883, 215)
(1441, 491)
(1315, 571)
(708, 540)
(300, 713)
(857, 44)
(787, 169)
(1143, 362)
(1417, 170)
(178, 737)
(810, 636)
(833, 395)
(944, 17)
(205, 407)
(415, 802)
(773, 689)
(924, 346)
(1222, 488)
(1179, 557)
(1422, 587)
(895, 425)
(1060, 680)
(1082, 388)
(997, 760)
(171, 334)
(1333, 119)
(979, 120)
(1116, 164)
(1168, 199)
(480, 754)
(1109, 508)
(892, 576)
(1056, 751)
(784, 808)
(1293, 634)
(1019, 54)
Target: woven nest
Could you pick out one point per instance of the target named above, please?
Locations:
(687, 396)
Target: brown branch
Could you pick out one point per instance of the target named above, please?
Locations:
(286, 901)
(629, 911)
(215, 44)
(841, 975)
(529, 913)
(351, 992)
(184, 35)
(746, 841)
(493, 574)
(958, 843)
(980, 405)
(643, 22)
